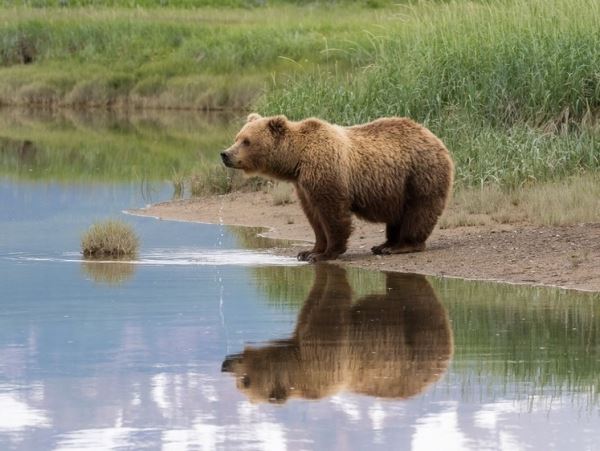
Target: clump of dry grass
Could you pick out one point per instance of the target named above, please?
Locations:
(215, 179)
(568, 201)
(110, 238)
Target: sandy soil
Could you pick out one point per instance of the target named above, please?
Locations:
(565, 256)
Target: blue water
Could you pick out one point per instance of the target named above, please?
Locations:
(175, 349)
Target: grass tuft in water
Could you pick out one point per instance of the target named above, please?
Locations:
(111, 239)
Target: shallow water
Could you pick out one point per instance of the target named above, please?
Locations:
(207, 341)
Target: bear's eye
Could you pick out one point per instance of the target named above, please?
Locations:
(246, 142)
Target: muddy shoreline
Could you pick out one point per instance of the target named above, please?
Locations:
(521, 253)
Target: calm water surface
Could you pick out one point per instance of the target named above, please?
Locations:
(207, 341)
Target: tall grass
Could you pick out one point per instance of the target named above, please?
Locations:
(168, 58)
(512, 87)
(191, 4)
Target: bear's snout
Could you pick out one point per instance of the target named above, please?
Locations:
(230, 361)
(226, 159)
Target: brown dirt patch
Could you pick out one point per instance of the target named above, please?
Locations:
(564, 256)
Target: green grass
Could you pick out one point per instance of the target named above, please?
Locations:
(192, 4)
(170, 58)
(504, 63)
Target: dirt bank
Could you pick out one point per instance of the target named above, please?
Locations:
(565, 256)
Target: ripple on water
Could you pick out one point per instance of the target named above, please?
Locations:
(182, 257)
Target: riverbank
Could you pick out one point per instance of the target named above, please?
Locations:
(565, 256)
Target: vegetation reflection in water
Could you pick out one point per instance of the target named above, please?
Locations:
(530, 343)
(390, 345)
(102, 146)
(108, 273)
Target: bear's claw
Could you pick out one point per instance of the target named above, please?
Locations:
(303, 256)
(378, 250)
(313, 257)
(385, 249)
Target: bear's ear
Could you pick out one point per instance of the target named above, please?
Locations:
(278, 125)
(253, 117)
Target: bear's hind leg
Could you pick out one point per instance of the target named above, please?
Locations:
(416, 224)
(392, 235)
(418, 221)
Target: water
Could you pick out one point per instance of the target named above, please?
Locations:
(209, 342)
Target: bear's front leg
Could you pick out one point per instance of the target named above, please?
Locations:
(315, 222)
(336, 221)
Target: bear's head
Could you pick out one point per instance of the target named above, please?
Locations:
(262, 374)
(263, 147)
(281, 371)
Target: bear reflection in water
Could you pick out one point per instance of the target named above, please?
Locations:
(390, 345)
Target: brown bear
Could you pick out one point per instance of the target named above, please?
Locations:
(390, 345)
(391, 170)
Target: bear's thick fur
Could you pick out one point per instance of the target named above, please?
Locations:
(390, 345)
(391, 170)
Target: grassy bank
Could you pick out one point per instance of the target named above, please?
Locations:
(170, 58)
(571, 200)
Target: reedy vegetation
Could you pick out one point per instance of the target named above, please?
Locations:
(165, 58)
